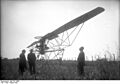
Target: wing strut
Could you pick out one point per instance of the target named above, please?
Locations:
(71, 34)
(77, 34)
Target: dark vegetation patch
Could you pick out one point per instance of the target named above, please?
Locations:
(66, 70)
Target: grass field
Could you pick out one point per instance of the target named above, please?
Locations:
(64, 70)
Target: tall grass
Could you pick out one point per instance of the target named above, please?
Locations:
(64, 70)
(108, 70)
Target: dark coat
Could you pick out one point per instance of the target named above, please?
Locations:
(22, 62)
(81, 59)
(31, 58)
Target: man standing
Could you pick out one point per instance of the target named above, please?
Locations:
(31, 61)
(22, 63)
(81, 62)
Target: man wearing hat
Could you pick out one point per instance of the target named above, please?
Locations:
(81, 62)
(31, 61)
(22, 63)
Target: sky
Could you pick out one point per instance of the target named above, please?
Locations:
(22, 20)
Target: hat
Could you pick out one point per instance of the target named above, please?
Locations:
(31, 50)
(23, 50)
(81, 48)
